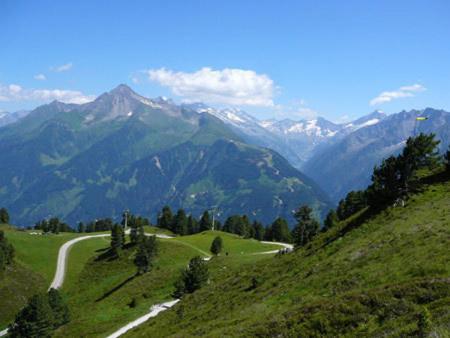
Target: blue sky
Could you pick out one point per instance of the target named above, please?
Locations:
(337, 59)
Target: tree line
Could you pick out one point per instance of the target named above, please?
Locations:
(394, 179)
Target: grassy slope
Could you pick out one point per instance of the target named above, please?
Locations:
(33, 270)
(38, 253)
(96, 315)
(373, 281)
(16, 285)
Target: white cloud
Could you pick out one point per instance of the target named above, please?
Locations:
(228, 86)
(405, 91)
(62, 68)
(15, 92)
(40, 77)
(297, 110)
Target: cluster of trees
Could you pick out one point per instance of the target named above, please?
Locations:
(6, 251)
(240, 225)
(147, 246)
(182, 224)
(53, 225)
(192, 278)
(43, 313)
(102, 224)
(394, 179)
(4, 216)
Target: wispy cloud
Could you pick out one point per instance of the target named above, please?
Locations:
(40, 77)
(63, 68)
(402, 92)
(14, 92)
(297, 110)
(228, 86)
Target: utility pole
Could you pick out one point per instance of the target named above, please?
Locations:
(213, 208)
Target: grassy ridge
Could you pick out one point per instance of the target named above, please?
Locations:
(100, 298)
(376, 280)
(100, 295)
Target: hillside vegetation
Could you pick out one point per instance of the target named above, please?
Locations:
(104, 294)
(382, 275)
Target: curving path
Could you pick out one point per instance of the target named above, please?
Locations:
(287, 246)
(154, 310)
(58, 279)
(60, 273)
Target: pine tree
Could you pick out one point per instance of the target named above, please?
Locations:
(147, 250)
(192, 278)
(43, 313)
(258, 231)
(243, 226)
(331, 220)
(192, 225)
(117, 239)
(216, 246)
(306, 228)
(4, 216)
(36, 319)
(60, 310)
(180, 223)
(280, 230)
(205, 222)
(81, 227)
(396, 177)
(165, 218)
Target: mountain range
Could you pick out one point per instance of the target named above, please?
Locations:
(339, 157)
(128, 151)
(125, 151)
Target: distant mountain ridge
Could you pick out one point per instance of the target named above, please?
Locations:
(339, 157)
(348, 164)
(123, 150)
(8, 118)
(297, 141)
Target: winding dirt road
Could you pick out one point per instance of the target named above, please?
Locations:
(61, 267)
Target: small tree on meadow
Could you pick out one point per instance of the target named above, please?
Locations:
(117, 239)
(192, 278)
(216, 245)
(147, 250)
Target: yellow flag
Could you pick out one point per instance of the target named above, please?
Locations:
(421, 118)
